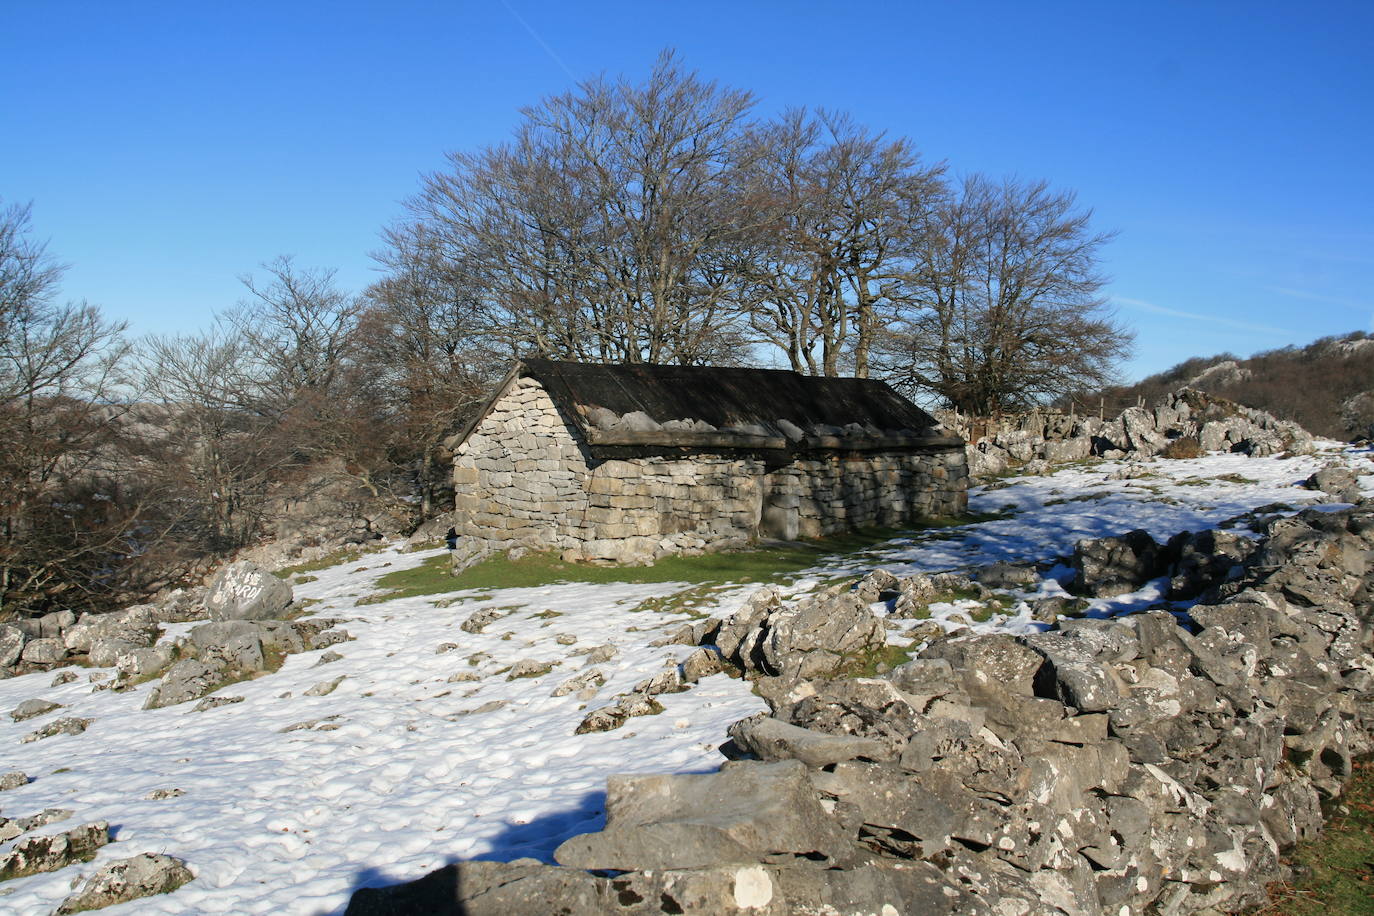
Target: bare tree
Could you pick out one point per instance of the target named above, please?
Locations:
(836, 241)
(430, 346)
(658, 222)
(212, 451)
(59, 520)
(602, 231)
(299, 328)
(302, 336)
(1006, 301)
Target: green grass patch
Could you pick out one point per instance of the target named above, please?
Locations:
(343, 554)
(953, 595)
(687, 601)
(982, 614)
(300, 608)
(1339, 864)
(879, 662)
(767, 563)
(1209, 481)
(968, 518)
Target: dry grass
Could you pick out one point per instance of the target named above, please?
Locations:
(1183, 447)
(1338, 867)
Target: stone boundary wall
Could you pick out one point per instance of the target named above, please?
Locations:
(526, 477)
(997, 444)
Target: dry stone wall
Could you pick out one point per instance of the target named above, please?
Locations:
(1041, 438)
(525, 477)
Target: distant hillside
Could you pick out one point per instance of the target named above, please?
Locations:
(1326, 386)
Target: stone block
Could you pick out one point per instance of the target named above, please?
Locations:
(602, 485)
(780, 522)
(496, 465)
(624, 470)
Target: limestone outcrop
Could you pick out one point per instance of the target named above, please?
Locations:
(61, 637)
(1187, 420)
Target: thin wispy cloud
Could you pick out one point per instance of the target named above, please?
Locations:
(542, 43)
(1144, 306)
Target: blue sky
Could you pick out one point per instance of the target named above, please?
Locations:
(169, 148)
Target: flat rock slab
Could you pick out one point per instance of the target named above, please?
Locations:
(772, 739)
(30, 709)
(503, 888)
(744, 813)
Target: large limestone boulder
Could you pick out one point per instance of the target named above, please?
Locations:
(145, 663)
(188, 679)
(816, 637)
(33, 708)
(44, 651)
(246, 591)
(128, 879)
(1063, 451)
(135, 626)
(772, 739)
(37, 854)
(12, 641)
(748, 812)
(105, 653)
(1115, 566)
(1337, 481)
(49, 626)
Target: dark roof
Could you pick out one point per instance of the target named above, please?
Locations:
(728, 407)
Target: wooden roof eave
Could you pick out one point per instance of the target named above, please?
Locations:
(456, 440)
(879, 443)
(670, 438)
(667, 438)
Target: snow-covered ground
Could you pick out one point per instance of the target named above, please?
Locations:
(426, 753)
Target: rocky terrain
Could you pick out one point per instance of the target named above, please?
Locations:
(1159, 761)
(1071, 707)
(1184, 423)
(1325, 386)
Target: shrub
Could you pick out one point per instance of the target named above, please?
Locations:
(1183, 447)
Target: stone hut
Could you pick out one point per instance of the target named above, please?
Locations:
(626, 463)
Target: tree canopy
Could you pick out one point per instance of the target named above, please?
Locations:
(664, 221)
